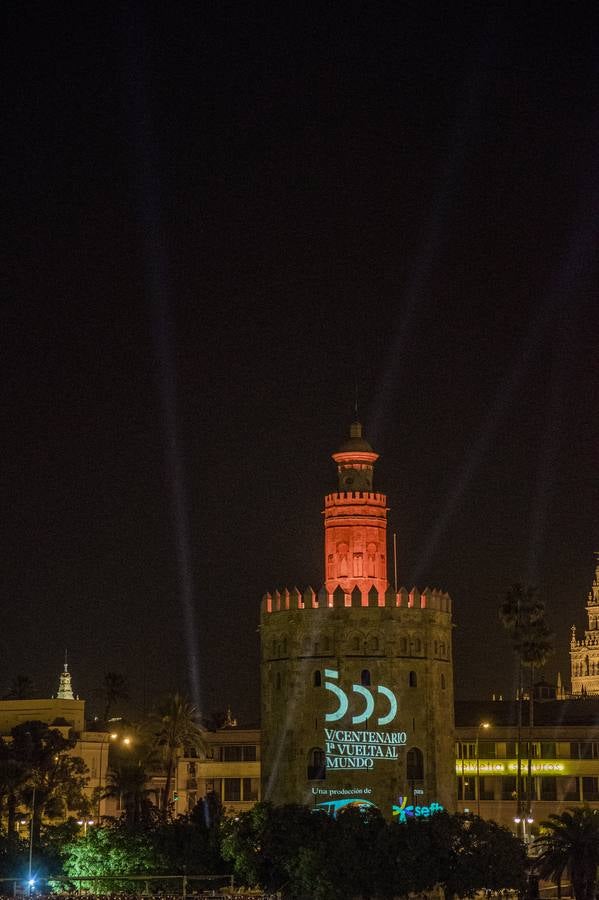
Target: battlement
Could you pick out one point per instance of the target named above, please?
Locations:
(280, 601)
(357, 497)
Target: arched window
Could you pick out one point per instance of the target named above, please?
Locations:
(284, 647)
(316, 765)
(355, 644)
(317, 678)
(442, 681)
(365, 678)
(403, 645)
(326, 644)
(374, 643)
(413, 679)
(414, 764)
(417, 646)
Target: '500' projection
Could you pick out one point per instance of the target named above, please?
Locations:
(364, 692)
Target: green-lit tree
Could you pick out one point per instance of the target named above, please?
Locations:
(522, 614)
(176, 726)
(569, 842)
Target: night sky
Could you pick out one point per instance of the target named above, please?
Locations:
(224, 215)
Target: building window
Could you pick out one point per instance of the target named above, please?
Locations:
(278, 681)
(231, 754)
(548, 789)
(466, 788)
(365, 678)
(590, 789)
(249, 753)
(316, 765)
(414, 764)
(317, 678)
(191, 769)
(571, 788)
(417, 645)
(435, 648)
(508, 788)
(413, 679)
(403, 645)
(487, 787)
(250, 789)
(214, 786)
(232, 790)
(442, 681)
(487, 750)
(374, 643)
(356, 643)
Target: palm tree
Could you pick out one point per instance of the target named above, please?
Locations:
(176, 725)
(114, 688)
(522, 614)
(21, 688)
(126, 779)
(569, 842)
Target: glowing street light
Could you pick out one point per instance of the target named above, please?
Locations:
(85, 823)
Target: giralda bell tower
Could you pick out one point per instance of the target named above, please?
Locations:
(357, 678)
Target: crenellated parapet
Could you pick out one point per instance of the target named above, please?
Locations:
(280, 601)
(357, 498)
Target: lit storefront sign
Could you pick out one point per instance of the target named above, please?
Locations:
(509, 767)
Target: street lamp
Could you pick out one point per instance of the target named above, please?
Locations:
(484, 725)
(85, 823)
(524, 821)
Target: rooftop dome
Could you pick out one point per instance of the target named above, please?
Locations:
(356, 442)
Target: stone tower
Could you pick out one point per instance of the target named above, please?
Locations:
(357, 679)
(584, 654)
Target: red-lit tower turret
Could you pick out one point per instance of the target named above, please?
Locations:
(355, 523)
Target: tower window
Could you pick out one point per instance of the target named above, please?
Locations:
(365, 678)
(403, 645)
(316, 765)
(442, 681)
(317, 678)
(413, 679)
(414, 764)
(278, 681)
(356, 642)
(417, 646)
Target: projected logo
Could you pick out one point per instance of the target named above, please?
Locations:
(368, 697)
(409, 811)
(332, 807)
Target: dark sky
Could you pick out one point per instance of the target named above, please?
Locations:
(221, 216)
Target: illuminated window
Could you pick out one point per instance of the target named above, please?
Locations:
(365, 677)
(414, 765)
(317, 678)
(316, 765)
(413, 679)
